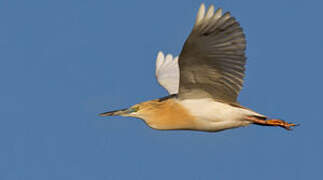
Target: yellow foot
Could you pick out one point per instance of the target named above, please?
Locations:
(272, 122)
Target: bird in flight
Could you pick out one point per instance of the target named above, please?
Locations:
(203, 81)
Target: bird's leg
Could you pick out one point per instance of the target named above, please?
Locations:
(271, 122)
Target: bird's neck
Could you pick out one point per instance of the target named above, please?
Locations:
(169, 114)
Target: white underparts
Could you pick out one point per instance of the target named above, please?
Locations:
(215, 116)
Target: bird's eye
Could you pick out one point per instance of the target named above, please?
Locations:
(133, 109)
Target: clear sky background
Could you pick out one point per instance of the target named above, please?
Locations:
(62, 62)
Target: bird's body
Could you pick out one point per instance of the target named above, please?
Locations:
(213, 115)
(193, 114)
(204, 81)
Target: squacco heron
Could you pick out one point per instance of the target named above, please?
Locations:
(203, 81)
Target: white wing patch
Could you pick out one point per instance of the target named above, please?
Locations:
(167, 72)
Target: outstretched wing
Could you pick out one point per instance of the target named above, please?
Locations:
(213, 57)
(167, 72)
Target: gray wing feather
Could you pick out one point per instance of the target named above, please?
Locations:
(213, 58)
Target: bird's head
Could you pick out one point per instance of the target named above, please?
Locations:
(141, 110)
(158, 114)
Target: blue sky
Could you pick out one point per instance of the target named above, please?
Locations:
(63, 62)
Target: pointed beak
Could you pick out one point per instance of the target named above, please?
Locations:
(115, 113)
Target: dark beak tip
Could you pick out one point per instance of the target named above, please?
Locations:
(112, 113)
(104, 114)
